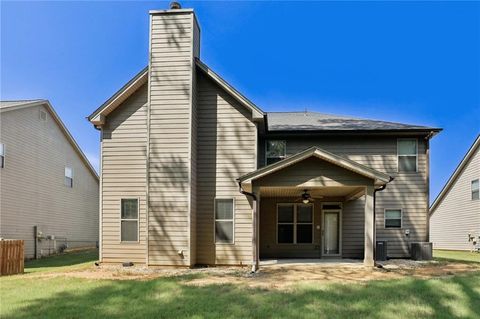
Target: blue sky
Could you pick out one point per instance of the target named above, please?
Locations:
(412, 62)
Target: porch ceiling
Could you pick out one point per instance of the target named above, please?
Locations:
(347, 192)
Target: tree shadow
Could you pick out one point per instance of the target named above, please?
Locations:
(173, 298)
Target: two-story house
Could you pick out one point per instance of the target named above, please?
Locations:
(48, 188)
(192, 172)
(455, 213)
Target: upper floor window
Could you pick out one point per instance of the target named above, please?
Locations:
(2, 155)
(475, 189)
(393, 218)
(275, 151)
(129, 219)
(224, 220)
(407, 155)
(68, 176)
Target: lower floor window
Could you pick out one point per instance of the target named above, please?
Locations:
(129, 219)
(295, 223)
(393, 218)
(224, 220)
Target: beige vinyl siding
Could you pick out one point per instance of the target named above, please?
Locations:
(408, 191)
(226, 150)
(32, 184)
(313, 172)
(457, 214)
(124, 144)
(170, 139)
(353, 228)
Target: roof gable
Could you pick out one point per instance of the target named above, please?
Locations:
(6, 106)
(257, 113)
(98, 116)
(456, 174)
(379, 177)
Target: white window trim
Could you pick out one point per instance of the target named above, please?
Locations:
(3, 155)
(223, 220)
(65, 176)
(416, 154)
(282, 157)
(471, 188)
(295, 223)
(130, 219)
(385, 218)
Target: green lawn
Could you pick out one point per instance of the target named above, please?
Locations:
(456, 255)
(73, 260)
(31, 296)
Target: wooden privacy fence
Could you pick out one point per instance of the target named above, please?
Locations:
(11, 257)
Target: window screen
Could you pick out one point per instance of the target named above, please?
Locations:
(475, 189)
(224, 220)
(68, 176)
(2, 155)
(407, 155)
(393, 218)
(275, 151)
(129, 219)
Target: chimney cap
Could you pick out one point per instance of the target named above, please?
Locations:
(175, 5)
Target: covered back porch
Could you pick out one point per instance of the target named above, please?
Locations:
(315, 205)
(328, 224)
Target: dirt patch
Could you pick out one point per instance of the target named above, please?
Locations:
(274, 276)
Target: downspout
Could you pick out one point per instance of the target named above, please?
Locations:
(381, 188)
(254, 231)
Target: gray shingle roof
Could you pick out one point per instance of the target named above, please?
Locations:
(313, 121)
(5, 104)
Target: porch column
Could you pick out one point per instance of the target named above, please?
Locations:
(255, 229)
(369, 227)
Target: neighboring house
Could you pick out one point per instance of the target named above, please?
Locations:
(455, 213)
(192, 172)
(45, 181)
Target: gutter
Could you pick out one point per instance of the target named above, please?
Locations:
(255, 227)
(381, 188)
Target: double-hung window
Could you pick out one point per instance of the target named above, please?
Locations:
(2, 155)
(393, 218)
(129, 220)
(224, 220)
(295, 223)
(475, 189)
(275, 151)
(407, 155)
(69, 177)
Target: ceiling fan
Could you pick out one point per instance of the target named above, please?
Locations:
(306, 197)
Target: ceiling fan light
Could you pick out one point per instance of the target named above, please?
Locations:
(306, 201)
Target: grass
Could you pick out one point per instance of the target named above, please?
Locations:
(62, 262)
(31, 296)
(456, 255)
